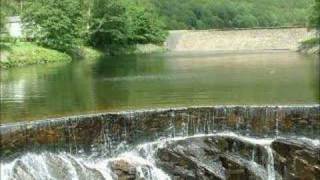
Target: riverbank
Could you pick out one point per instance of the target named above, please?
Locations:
(290, 39)
(19, 54)
(310, 46)
(25, 53)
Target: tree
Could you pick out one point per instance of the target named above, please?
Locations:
(144, 26)
(7, 8)
(200, 14)
(121, 23)
(108, 24)
(245, 21)
(56, 24)
(315, 16)
(314, 22)
(2, 21)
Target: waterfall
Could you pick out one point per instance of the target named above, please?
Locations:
(270, 166)
(65, 166)
(47, 165)
(105, 146)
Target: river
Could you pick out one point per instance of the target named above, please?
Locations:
(239, 115)
(158, 81)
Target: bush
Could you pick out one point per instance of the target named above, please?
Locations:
(108, 24)
(315, 16)
(144, 26)
(119, 23)
(7, 8)
(2, 21)
(56, 24)
(26, 53)
(314, 22)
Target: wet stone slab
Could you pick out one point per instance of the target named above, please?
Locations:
(103, 133)
(218, 156)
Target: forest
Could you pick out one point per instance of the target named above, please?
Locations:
(105, 24)
(109, 24)
(208, 14)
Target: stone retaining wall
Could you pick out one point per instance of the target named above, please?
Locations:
(238, 40)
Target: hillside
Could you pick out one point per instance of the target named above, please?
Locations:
(208, 14)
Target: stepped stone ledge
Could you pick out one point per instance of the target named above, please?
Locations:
(104, 132)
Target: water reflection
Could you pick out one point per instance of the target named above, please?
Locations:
(167, 80)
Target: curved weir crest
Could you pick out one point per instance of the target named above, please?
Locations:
(217, 142)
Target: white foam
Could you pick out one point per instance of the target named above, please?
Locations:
(251, 140)
(270, 164)
(315, 142)
(142, 157)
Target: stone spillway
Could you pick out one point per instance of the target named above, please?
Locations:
(105, 132)
(219, 142)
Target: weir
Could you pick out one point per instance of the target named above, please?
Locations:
(238, 39)
(219, 142)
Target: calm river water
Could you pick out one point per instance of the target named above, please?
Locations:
(158, 81)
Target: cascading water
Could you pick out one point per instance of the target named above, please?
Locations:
(142, 158)
(46, 165)
(271, 171)
(65, 166)
(218, 143)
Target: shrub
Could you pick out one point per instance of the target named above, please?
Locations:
(119, 23)
(56, 24)
(108, 24)
(144, 26)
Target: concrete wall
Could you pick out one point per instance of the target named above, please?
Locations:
(14, 26)
(245, 39)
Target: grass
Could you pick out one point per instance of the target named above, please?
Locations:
(311, 46)
(87, 53)
(16, 54)
(149, 48)
(135, 49)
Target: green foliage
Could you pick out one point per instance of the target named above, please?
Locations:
(25, 53)
(207, 14)
(64, 25)
(315, 16)
(144, 26)
(86, 52)
(308, 44)
(11, 7)
(5, 10)
(120, 23)
(108, 23)
(314, 22)
(56, 24)
(2, 21)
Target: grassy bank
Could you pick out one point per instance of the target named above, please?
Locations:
(135, 49)
(25, 53)
(149, 48)
(18, 54)
(311, 46)
(87, 53)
